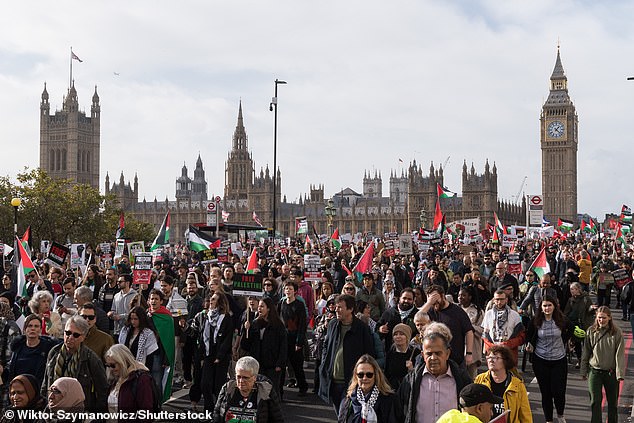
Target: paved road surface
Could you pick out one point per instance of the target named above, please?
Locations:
(312, 409)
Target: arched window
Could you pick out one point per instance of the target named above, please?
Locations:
(64, 159)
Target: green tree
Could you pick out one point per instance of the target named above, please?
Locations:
(62, 211)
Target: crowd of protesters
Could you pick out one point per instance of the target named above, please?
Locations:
(400, 342)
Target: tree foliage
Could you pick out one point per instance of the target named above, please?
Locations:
(62, 211)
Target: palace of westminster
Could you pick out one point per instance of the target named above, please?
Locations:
(70, 147)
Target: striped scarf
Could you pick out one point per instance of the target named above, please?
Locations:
(65, 365)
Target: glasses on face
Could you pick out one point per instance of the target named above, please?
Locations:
(73, 334)
(55, 391)
(367, 375)
(267, 284)
(88, 316)
(111, 365)
(348, 288)
(493, 358)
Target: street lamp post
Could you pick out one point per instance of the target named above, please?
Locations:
(274, 104)
(330, 212)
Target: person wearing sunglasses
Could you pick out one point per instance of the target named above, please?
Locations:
(73, 359)
(97, 340)
(369, 397)
(130, 382)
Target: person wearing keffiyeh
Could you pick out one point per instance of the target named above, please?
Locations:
(369, 398)
(502, 325)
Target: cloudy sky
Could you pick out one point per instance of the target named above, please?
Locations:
(369, 82)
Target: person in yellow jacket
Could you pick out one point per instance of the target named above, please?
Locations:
(477, 402)
(505, 384)
(585, 268)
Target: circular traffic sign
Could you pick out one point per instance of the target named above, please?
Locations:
(211, 206)
(217, 199)
(536, 200)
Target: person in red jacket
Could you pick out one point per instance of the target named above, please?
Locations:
(130, 383)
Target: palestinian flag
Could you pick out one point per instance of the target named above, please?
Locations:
(163, 236)
(200, 241)
(26, 267)
(540, 265)
(499, 224)
(444, 193)
(626, 214)
(336, 242)
(619, 234)
(565, 225)
(253, 261)
(626, 228)
(588, 227)
(496, 236)
(121, 229)
(438, 216)
(164, 325)
(440, 229)
(364, 265)
(26, 240)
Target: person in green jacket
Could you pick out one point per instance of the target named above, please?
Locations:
(603, 364)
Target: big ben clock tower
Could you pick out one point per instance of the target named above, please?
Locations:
(559, 141)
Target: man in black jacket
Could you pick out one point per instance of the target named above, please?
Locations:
(403, 312)
(433, 387)
(347, 339)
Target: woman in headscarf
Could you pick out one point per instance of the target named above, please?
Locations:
(65, 394)
(24, 393)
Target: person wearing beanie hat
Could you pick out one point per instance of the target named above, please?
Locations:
(401, 356)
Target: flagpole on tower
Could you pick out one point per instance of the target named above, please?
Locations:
(70, 81)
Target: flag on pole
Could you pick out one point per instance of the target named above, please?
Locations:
(121, 229)
(626, 214)
(256, 218)
(336, 241)
(74, 57)
(440, 228)
(565, 225)
(26, 267)
(253, 261)
(198, 240)
(619, 234)
(444, 193)
(499, 224)
(225, 216)
(437, 215)
(163, 236)
(540, 265)
(364, 264)
(26, 240)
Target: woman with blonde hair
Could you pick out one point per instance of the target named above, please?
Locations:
(131, 387)
(40, 305)
(369, 397)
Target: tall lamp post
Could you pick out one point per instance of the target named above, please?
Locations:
(15, 202)
(330, 212)
(271, 106)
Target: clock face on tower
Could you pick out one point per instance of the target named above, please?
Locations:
(556, 129)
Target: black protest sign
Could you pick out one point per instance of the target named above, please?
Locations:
(208, 256)
(247, 284)
(58, 253)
